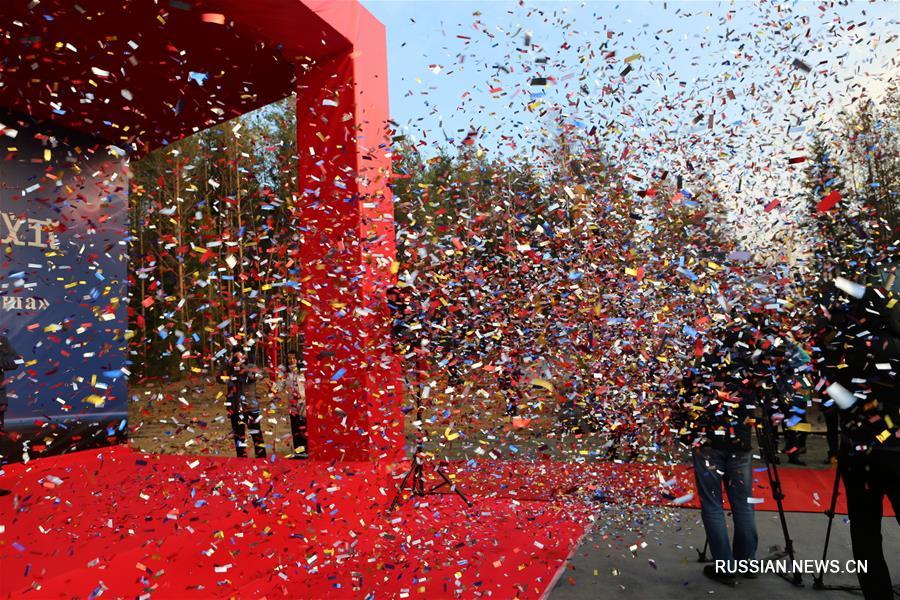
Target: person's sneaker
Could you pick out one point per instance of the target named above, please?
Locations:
(723, 578)
(795, 460)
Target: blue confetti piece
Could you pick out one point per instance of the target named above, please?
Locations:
(198, 77)
(338, 374)
(687, 273)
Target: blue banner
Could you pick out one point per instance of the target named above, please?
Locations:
(63, 289)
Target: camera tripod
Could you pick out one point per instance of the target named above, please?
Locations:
(819, 579)
(414, 480)
(768, 449)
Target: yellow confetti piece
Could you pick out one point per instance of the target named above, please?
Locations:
(805, 427)
(543, 383)
(96, 401)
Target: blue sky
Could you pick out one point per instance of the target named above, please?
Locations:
(716, 88)
(443, 57)
(441, 51)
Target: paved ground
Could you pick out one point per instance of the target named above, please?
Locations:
(605, 567)
(189, 417)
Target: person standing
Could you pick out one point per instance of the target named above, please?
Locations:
(860, 340)
(510, 380)
(242, 404)
(783, 363)
(292, 386)
(831, 414)
(716, 418)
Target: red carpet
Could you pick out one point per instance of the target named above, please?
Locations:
(176, 526)
(135, 524)
(805, 490)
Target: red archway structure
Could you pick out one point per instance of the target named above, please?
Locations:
(141, 73)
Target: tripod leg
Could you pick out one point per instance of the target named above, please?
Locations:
(453, 488)
(819, 579)
(779, 498)
(767, 450)
(701, 554)
(418, 478)
(402, 487)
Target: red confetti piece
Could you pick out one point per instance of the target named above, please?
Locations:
(828, 202)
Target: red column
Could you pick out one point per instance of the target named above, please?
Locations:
(353, 378)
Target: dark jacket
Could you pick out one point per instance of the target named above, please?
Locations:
(240, 387)
(717, 396)
(859, 344)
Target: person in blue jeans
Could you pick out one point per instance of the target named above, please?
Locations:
(713, 468)
(716, 418)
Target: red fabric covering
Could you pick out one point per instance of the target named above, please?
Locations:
(323, 531)
(162, 524)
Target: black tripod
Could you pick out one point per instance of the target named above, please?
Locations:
(768, 449)
(819, 579)
(416, 471)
